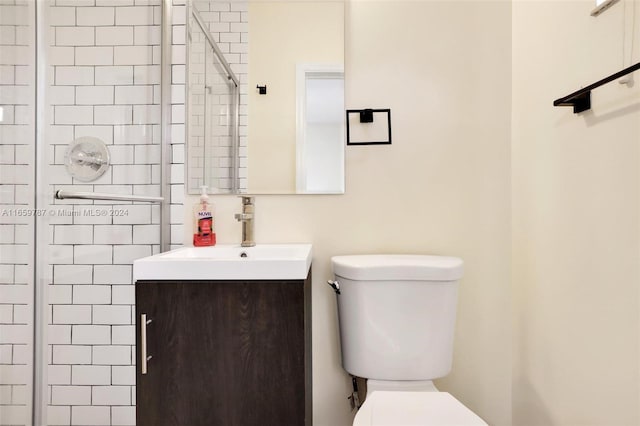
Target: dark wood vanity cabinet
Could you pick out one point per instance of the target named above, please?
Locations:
(227, 353)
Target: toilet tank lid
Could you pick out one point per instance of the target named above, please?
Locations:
(384, 267)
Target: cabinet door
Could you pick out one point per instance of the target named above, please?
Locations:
(226, 353)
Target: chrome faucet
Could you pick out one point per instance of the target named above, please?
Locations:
(246, 217)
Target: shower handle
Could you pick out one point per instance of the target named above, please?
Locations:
(143, 343)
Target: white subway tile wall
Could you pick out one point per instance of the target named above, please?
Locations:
(210, 100)
(105, 72)
(17, 133)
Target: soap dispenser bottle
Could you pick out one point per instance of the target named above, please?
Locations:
(205, 233)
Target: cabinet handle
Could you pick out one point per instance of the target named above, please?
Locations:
(143, 343)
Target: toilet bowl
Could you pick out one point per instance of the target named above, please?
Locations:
(397, 317)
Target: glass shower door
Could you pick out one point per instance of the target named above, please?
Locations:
(17, 209)
(103, 82)
(68, 263)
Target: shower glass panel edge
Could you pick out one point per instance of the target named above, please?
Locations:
(42, 269)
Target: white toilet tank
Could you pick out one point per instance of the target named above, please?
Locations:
(397, 314)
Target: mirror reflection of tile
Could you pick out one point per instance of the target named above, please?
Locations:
(211, 103)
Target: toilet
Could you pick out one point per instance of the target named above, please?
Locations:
(397, 316)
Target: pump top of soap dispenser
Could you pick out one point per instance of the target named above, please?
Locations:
(204, 198)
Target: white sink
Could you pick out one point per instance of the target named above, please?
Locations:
(227, 262)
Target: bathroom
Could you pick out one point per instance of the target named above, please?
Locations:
(543, 205)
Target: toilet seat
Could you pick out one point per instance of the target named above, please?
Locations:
(396, 408)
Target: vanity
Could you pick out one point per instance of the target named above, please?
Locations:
(223, 336)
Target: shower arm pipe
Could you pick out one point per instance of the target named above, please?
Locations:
(580, 100)
(214, 45)
(65, 195)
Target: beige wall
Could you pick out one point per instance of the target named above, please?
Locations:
(273, 56)
(576, 240)
(444, 69)
(450, 185)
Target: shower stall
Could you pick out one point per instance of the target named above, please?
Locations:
(85, 113)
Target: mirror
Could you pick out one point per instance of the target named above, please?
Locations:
(266, 97)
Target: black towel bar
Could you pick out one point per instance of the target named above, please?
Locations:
(580, 100)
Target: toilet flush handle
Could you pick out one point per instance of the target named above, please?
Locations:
(335, 285)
